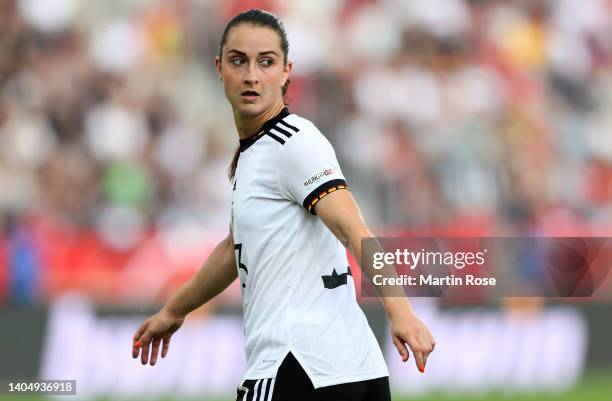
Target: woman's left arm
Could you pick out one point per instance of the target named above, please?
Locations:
(340, 213)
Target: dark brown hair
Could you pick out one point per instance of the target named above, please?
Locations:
(259, 18)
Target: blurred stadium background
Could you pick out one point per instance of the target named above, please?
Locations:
(454, 117)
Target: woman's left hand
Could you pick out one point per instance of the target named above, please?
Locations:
(408, 331)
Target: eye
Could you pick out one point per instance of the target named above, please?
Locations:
(237, 61)
(266, 62)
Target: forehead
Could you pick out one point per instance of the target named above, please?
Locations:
(252, 39)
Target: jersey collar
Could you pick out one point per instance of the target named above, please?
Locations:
(247, 142)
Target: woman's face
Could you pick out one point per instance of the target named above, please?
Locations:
(252, 69)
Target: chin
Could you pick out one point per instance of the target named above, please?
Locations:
(253, 109)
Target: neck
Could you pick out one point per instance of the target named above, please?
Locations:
(247, 125)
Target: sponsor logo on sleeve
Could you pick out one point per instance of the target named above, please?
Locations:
(318, 176)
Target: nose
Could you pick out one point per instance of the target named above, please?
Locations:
(251, 76)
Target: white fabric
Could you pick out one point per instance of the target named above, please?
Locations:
(286, 251)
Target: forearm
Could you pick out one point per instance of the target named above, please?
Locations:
(217, 273)
(342, 216)
(406, 327)
(340, 213)
(394, 302)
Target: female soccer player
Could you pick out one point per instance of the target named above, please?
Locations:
(292, 218)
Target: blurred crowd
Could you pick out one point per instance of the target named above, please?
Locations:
(481, 117)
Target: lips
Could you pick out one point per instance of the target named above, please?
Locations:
(249, 96)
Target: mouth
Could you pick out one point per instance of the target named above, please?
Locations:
(249, 95)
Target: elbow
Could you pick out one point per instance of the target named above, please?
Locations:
(228, 243)
(350, 235)
(346, 235)
(344, 239)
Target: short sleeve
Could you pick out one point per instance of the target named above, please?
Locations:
(308, 169)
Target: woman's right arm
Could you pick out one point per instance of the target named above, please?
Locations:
(217, 273)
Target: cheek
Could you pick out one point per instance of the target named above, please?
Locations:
(229, 82)
(274, 79)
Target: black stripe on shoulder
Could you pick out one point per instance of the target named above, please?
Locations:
(286, 124)
(321, 191)
(276, 138)
(282, 131)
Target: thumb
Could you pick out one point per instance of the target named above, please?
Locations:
(401, 348)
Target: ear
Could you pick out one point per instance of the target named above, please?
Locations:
(218, 67)
(287, 72)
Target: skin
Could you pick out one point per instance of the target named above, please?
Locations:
(340, 213)
(252, 60)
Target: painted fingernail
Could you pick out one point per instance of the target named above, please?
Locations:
(422, 368)
(138, 343)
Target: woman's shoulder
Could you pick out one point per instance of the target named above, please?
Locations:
(305, 137)
(304, 127)
(299, 122)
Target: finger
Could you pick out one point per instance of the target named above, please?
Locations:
(145, 342)
(141, 330)
(165, 347)
(401, 348)
(425, 350)
(136, 343)
(146, 338)
(419, 361)
(155, 350)
(417, 351)
(432, 340)
(135, 349)
(144, 353)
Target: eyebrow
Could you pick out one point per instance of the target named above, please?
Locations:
(265, 53)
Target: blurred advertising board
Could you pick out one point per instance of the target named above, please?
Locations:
(478, 349)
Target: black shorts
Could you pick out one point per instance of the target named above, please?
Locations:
(292, 384)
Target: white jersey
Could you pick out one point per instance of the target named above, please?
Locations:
(298, 293)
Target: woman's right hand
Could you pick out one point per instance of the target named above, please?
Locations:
(152, 333)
